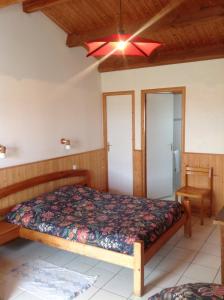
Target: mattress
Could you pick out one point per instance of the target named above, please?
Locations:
(82, 214)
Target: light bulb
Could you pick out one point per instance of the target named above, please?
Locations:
(2, 155)
(121, 45)
(68, 147)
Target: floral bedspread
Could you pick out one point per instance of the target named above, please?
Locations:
(192, 291)
(85, 215)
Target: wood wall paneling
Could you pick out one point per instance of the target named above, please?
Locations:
(137, 184)
(216, 161)
(94, 161)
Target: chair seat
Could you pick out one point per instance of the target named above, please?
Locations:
(193, 192)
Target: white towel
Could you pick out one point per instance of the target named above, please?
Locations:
(176, 154)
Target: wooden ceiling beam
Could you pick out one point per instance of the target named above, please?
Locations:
(4, 3)
(163, 58)
(30, 6)
(207, 14)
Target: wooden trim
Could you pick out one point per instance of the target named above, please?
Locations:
(163, 57)
(8, 232)
(143, 141)
(199, 153)
(30, 6)
(4, 3)
(175, 90)
(105, 137)
(79, 248)
(50, 159)
(23, 185)
(104, 98)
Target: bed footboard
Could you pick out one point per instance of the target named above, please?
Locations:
(138, 268)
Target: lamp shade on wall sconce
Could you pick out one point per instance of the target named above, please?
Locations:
(66, 143)
(2, 152)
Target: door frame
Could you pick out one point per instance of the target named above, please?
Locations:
(174, 90)
(104, 99)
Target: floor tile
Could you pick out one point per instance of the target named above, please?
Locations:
(165, 250)
(150, 291)
(159, 278)
(185, 280)
(88, 293)
(212, 249)
(105, 295)
(121, 285)
(214, 238)
(182, 254)
(109, 267)
(207, 260)
(202, 274)
(78, 266)
(88, 260)
(190, 243)
(173, 265)
(153, 262)
(201, 234)
(126, 272)
(175, 239)
(103, 276)
(61, 258)
(26, 296)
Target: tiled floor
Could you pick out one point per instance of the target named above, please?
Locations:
(180, 261)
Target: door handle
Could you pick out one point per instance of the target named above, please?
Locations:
(108, 147)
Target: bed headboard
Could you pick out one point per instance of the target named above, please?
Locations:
(34, 181)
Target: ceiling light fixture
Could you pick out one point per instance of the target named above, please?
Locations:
(66, 143)
(121, 44)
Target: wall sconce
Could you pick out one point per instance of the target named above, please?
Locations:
(2, 152)
(66, 143)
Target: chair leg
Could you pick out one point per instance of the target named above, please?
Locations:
(211, 205)
(202, 211)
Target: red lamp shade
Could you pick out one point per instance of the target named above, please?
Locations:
(122, 44)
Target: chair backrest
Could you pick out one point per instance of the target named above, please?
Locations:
(194, 171)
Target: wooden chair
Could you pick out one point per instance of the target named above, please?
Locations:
(200, 194)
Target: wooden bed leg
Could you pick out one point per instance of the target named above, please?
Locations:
(138, 268)
(187, 208)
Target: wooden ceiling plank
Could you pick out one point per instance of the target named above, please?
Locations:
(164, 58)
(202, 16)
(30, 6)
(4, 3)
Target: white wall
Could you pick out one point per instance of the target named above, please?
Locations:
(204, 82)
(44, 95)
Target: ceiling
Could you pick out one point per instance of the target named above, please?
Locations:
(189, 30)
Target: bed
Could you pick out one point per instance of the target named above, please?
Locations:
(119, 229)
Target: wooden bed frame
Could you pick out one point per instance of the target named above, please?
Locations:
(136, 261)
